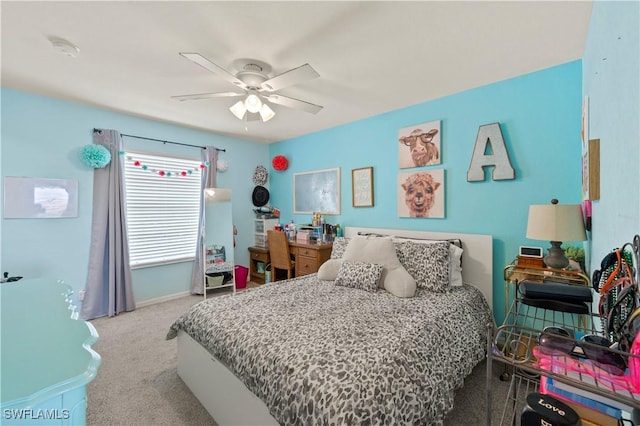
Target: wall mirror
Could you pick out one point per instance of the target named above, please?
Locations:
(218, 240)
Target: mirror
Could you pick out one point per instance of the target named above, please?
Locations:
(218, 240)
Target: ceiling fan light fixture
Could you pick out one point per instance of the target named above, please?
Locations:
(253, 103)
(238, 109)
(266, 113)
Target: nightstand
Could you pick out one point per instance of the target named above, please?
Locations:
(514, 273)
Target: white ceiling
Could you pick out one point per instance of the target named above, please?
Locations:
(372, 57)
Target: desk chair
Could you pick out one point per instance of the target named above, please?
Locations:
(279, 253)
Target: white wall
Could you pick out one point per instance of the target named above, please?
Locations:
(611, 81)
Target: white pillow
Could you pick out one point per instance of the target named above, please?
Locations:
(455, 259)
(328, 271)
(455, 265)
(395, 278)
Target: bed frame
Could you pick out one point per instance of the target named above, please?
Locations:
(229, 401)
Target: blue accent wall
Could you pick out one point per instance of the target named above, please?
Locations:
(540, 118)
(43, 137)
(539, 114)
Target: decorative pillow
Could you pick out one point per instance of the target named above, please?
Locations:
(339, 246)
(400, 283)
(360, 275)
(328, 271)
(427, 263)
(381, 250)
(455, 258)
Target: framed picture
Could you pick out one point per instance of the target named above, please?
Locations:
(591, 170)
(38, 198)
(317, 191)
(421, 194)
(362, 187)
(420, 145)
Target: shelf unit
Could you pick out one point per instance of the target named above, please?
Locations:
(515, 344)
(221, 268)
(515, 272)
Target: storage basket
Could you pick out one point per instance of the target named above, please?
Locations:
(215, 280)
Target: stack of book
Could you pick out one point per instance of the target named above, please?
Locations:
(592, 408)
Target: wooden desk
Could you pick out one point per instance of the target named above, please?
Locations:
(308, 257)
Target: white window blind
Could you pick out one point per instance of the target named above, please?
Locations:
(162, 211)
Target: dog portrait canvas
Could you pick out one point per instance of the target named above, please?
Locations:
(421, 194)
(420, 145)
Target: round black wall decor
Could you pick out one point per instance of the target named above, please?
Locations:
(260, 196)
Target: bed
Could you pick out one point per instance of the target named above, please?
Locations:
(320, 351)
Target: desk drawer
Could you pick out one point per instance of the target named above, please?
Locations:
(303, 251)
(262, 257)
(306, 265)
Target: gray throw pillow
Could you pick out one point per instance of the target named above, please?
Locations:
(359, 275)
(427, 263)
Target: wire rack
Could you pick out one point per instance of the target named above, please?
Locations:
(515, 344)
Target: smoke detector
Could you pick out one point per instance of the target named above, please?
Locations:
(64, 47)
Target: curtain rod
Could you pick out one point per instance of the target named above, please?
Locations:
(163, 141)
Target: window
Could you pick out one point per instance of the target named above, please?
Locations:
(163, 202)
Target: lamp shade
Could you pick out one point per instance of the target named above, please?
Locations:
(238, 109)
(266, 113)
(556, 222)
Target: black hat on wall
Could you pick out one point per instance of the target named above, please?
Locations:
(260, 196)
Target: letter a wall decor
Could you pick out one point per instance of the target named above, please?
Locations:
(490, 134)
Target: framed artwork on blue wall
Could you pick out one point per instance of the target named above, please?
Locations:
(420, 145)
(421, 194)
(317, 191)
(38, 198)
(362, 187)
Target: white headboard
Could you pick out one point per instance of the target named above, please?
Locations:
(477, 258)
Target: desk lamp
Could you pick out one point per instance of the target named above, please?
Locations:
(556, 223)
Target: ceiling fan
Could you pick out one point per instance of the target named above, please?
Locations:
(257, 87)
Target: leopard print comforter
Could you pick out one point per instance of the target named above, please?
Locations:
(320, 354)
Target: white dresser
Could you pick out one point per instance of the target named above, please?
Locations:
(47, 360)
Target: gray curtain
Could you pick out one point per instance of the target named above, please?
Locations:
(208, 180)
(108, 287)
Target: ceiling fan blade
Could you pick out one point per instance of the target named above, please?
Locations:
(207, 96)
(208, 65)
(294, 103)
(289, 78)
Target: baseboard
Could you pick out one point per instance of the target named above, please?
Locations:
(162, 299)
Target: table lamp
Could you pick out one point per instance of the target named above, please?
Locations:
(556, 223)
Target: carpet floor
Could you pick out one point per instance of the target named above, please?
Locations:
(138, 384)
